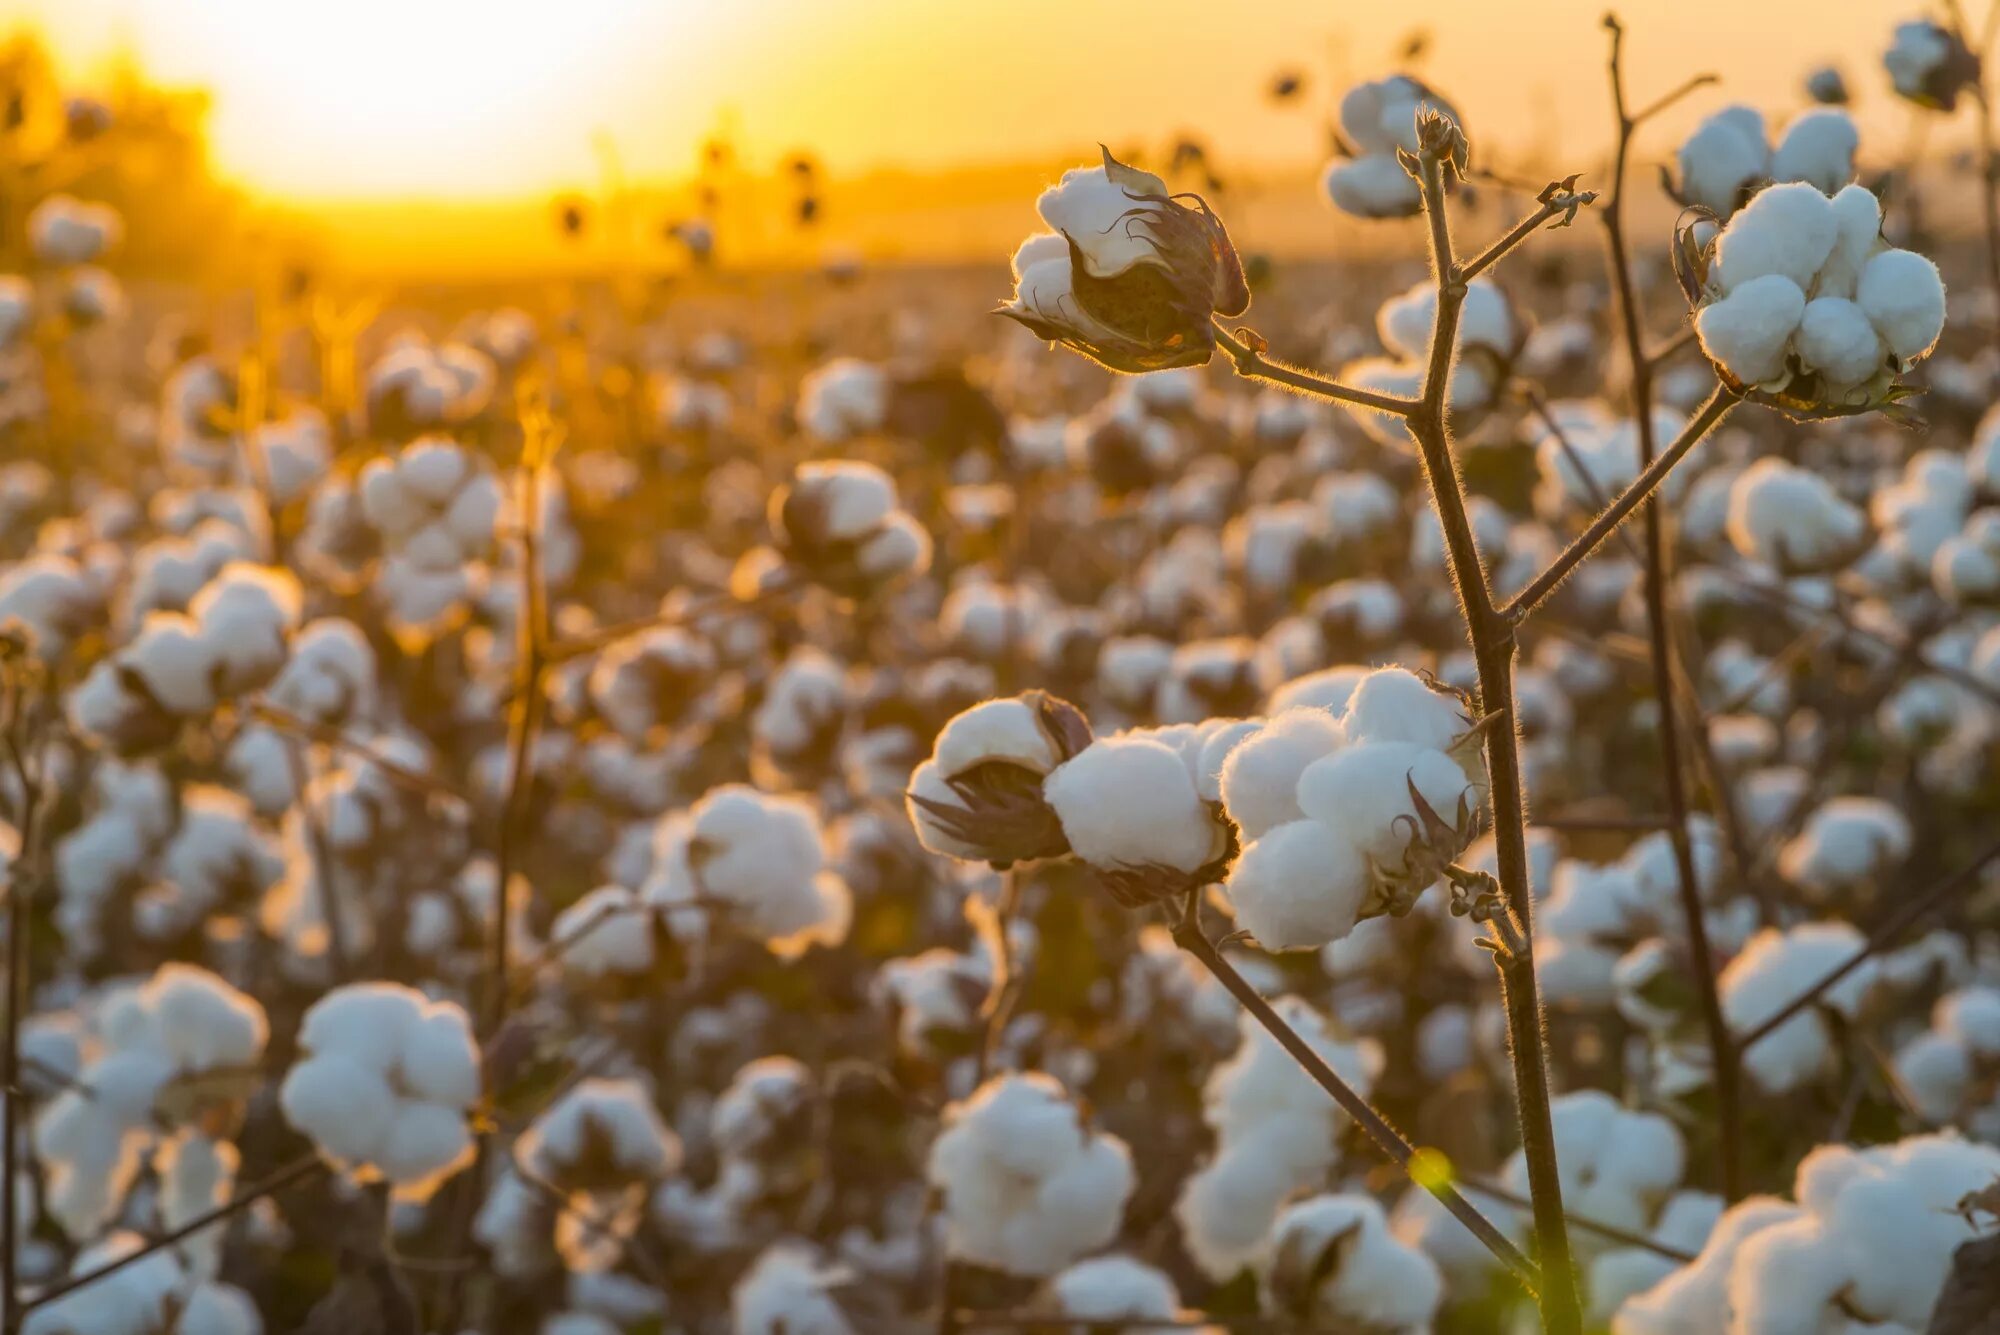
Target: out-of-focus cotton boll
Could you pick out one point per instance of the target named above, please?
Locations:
(1774, 968)
(1333, 1261)
(1371, 186)
(1791, 520)
(1616, 1166)
(1271, 1134)
(606, 932)
(1114, 1292)
(143, 1297)
(1724, 156)
(1377, 119)
(763, 857)
(1818, 148)
(789, 1290)
(1027, 1186)
(383, 1085)
(64, 230)
(1929, 64)
(1847, 843)
(844, 398)
(598, 1148)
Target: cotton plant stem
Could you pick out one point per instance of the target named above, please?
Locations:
(22, 879)
(323, 867)
(1660, 644)
(1989, 189)
(1252, 364)
(1711, 412)
(1189, 936)
(1493, 647)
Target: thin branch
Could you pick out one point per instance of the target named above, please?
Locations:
(297, 1171)
(1254, 365)
(1188, 934)
(1665, 100)
(1887, 932)
(1712, 411)
(1555, 200)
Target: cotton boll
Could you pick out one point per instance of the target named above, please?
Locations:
(1858, 228)
(1791, 519)
(1027, 1187)
(1836, 339)
(1725, 153)
(1333, 1260)
(1818, 148)
(1374, 185)
(1095, 214)
(1903, 296)
(1329, 689)
(1130, 802)
(1363, 792)
(1114, 1290)
(789, 1291)
(1298, 886)
(1747, 331)
(1775, 967)
(1396, 705)
(1785, 230)
(1261, 775)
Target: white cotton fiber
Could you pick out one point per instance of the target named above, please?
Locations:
(1904, 297)
(1784, 229)
(1747, 331)
(1818, 148)
(1128, 802)
(1836, 339)
(1300, 885)
(1260, 778)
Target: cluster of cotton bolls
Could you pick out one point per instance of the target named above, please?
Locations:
(1865, 1243)
(1027, 1185)
(1801, 297)
(384, 1084)
(596, 1154)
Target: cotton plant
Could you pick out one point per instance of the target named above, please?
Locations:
(597, 1152)
(744, 861)
(416, 387)
(1774, 967)
(838, 523)
(1798, 298)
(1790, 519)
(1027, 1185)
(384, 1086)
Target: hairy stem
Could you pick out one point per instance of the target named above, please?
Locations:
(1493, 647)
(1252, 364)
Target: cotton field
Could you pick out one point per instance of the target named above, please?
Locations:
(1138, 785)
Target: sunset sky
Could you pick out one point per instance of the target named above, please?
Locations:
(383, 99)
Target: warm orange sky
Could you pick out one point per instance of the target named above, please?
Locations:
(378, 99)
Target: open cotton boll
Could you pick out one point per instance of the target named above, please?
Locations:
(1837, 340)
(1694, 1299)
(764, 856)
(1113, 1291)
(1260, 777)
(1396, 705)
(1725, 154)
(1747, 331)
(1791, 519)
(1362, 793)
(1131, 802)
(789, 1291)
(1785, 230)
(143, 1297)
(1773, 968)
(1847, 842)
(1298, 886)
(852, 497)
(1333, 1261)
(1097, 216)
(1817, 148)
(843, 398)
(383, 1084)
(1903, 296)
(1374, 185)
(1616, 1166)
(1026, 1186)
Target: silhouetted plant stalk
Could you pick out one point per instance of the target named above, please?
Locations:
(1659, 627)
(20, 724)
(1981, 45)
